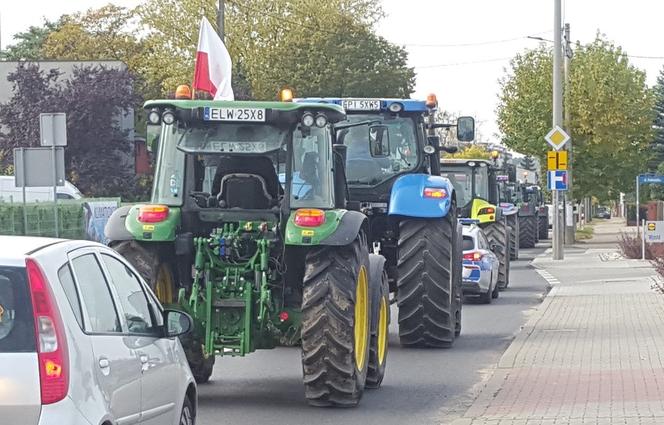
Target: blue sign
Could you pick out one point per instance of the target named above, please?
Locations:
(557, 180)
(650, 178)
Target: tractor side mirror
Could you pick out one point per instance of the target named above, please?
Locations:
(152, 138)
(466, 129)
(450, 149)
(379, 141)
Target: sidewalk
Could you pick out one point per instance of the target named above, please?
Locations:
(593, 353)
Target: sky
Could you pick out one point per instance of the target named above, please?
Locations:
(473, 39)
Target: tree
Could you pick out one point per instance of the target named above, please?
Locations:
(29, 43)
(91, 98)
(327, 50)
(657, 146)
(611, 112)
(471, 152)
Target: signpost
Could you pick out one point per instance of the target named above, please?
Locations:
(53, 133)
(557, 180)
(646, 179)
(557, 138)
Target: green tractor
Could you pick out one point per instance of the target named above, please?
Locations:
(476, 184)
(248, 231)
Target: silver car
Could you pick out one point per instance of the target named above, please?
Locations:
(84, 341)
(480, 264)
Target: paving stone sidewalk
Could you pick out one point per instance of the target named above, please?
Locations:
(593, 353)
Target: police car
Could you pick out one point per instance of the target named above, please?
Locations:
(480, 264)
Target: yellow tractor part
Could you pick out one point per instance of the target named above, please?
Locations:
(483, 211)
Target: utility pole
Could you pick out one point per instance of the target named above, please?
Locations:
(221, 29)
(569, 199)
(558, 227)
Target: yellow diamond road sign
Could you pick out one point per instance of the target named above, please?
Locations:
(557, 138)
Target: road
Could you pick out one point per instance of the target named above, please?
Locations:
(420, 387)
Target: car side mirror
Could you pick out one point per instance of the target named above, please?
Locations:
(465, 129)
(498, 249)
(379, 141)
(177, 323)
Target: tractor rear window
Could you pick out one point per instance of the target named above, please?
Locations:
(17, 333)
(468, 243)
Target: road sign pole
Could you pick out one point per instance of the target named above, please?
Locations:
(25, 207)
(558, 253)
(55, 191)
(643, 241)
(638, 212)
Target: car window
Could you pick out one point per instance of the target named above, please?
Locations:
(67, 282)
(484, 244)
(17, 328)
(96, 295)
(64, 196)
(138, 314)
(468, 243)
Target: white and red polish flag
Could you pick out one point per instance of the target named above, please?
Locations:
(212, 72)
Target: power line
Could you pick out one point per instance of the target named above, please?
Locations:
(445, 65)
(478, 43)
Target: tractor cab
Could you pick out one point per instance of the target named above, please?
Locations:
(476, 186)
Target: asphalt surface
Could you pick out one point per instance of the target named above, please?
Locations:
(421, 386)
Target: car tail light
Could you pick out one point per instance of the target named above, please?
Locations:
(152, 213)
(487, 210)
(50, 334)
(472, 256)
(435, 192)
(309, 217)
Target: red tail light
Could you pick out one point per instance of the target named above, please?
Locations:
(50, 334)
(309, 217)
(152, 213)
(472, 256)
(487, 210)
(435, 192)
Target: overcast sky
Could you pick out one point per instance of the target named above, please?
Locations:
(473, 39)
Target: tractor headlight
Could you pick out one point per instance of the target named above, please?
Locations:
(168, 117)
(395, 107)
(308, 119)
(154, 117)
(321, 120)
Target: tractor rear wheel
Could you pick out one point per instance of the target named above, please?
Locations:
(498, 234)
(336, 323)
(513, 224)
(528, 231)
(543, 226)
(425, 281)
(153, 265)
(380, 321)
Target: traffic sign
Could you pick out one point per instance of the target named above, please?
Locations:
(654, 231)
(557, 180)
(53, 129)
(556, 160)
(650, 178)
(557, 138)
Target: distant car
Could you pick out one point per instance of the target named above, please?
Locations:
(603, 212)
(83, 340)
(480, 264)
(9, 192)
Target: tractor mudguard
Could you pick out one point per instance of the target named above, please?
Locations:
(407, 197)
(340, 228)
(508, 209)
(115, 229)
(123, 225)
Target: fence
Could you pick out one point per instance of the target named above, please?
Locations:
(77, 219)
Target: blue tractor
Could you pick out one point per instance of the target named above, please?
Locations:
(393, 177)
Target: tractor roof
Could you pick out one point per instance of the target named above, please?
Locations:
(334, 112)
(409, 105)
(455, 161)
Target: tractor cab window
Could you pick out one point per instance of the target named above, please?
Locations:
(365, 169)
(312, 181)
(169, 180)
(469, 182)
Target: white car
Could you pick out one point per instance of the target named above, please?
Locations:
(83, 340)
(480, 264)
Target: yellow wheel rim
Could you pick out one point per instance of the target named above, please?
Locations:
(361, 326)
(163, 287)
(382, 330)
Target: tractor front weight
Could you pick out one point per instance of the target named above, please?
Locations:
(231, 298)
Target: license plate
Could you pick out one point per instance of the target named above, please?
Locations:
(234, 114)
(361, 104)
(238, 147)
